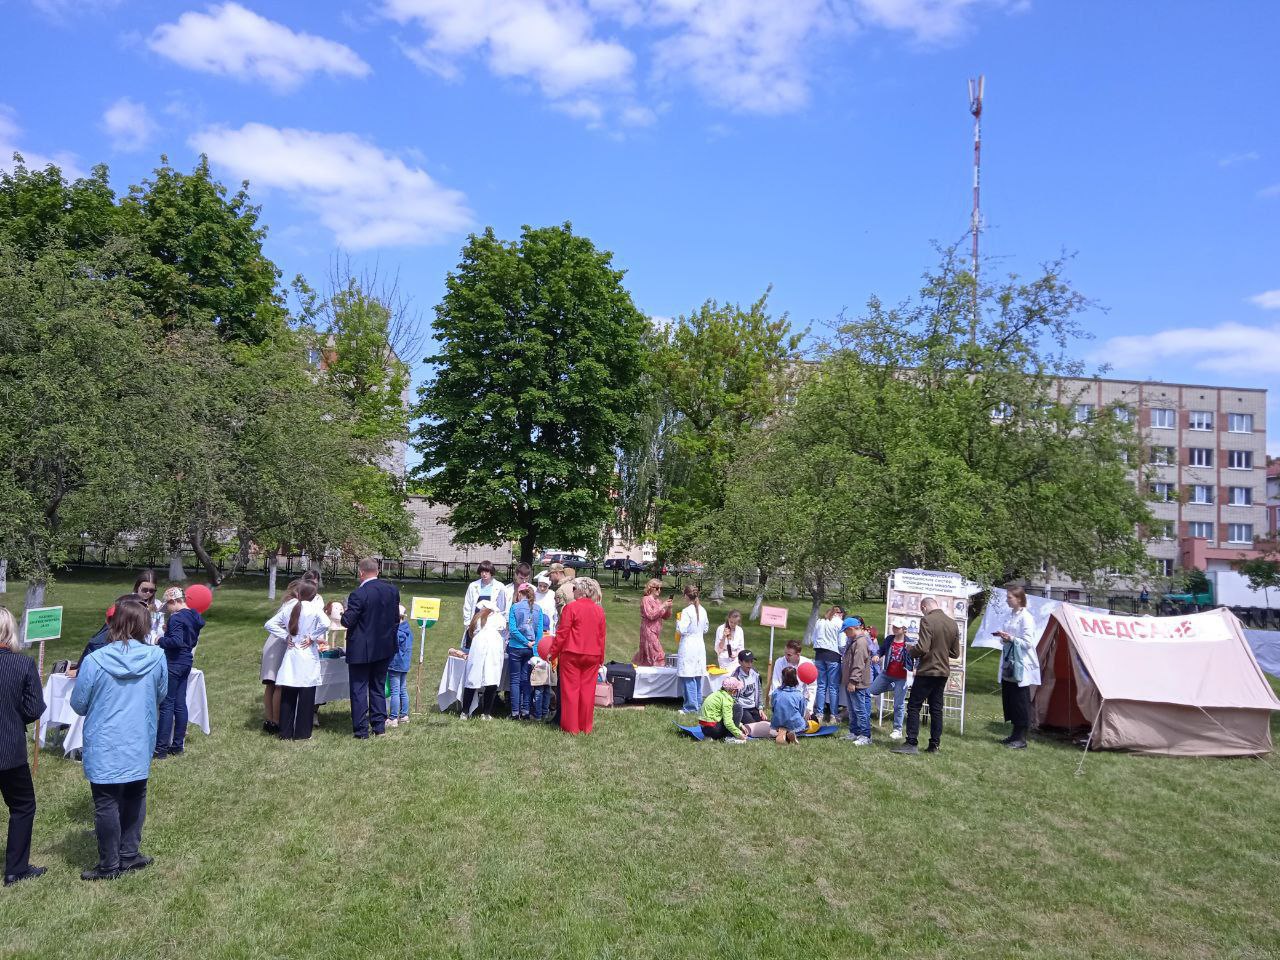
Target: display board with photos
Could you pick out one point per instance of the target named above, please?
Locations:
(907, 589)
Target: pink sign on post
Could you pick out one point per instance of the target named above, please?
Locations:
(773, 617)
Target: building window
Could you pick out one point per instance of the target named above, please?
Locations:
(1201, 420)
(1162, 456)
(1200, 456)
(1241, 496)
(1003, 411)
(1123, 414)
(1240, 459)
(1163, 417)
(1200, 530)
(1202, 493)
(1084, 412)
(1240, 533)
(1162, 530)
(1240, 423)
(1162, 492)
(1166, 568)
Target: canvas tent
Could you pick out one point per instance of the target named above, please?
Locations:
(1185, 686)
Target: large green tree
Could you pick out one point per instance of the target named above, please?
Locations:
(536, 385)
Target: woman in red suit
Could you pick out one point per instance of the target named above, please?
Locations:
(579, 648)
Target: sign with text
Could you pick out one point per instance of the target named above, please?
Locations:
(425, 608)
(42, 623)
(773, 617)
(1196, 628)
(932, 581)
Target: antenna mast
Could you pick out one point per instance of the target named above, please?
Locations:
(976, 90)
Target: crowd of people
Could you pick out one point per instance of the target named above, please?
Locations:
(549, 633)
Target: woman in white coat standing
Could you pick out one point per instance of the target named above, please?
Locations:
(302, 625)
(1019, 667)
(691, 658)
(484, 660)
(729, 641)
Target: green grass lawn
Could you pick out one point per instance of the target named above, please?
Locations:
(452, 839)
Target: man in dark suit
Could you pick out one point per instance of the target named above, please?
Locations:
(371, 618)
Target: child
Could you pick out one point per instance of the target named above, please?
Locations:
(857, 676)
(181, 634)
(398, 674)
(540, 680)
(896, 666)
(789, 708)
(720, 713)
(525, 625)
(302, 625)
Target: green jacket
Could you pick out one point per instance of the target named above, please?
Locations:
(718, 708)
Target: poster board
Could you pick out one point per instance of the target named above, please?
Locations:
(41, 623)
(905, 591)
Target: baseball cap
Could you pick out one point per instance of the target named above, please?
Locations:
(852, 622)
(746, 655)
(173, 594)
(898, 622)
(556, 568)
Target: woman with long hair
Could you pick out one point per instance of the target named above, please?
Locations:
(484, 660)
(653, 610)
(146, 586)
(21, 703)
(118, 691)
(1019, 666)
(273, 649)
(729, 641)
(302, 625)
(691, 658)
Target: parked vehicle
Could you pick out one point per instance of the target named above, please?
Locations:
(575, 560)
(625, 564)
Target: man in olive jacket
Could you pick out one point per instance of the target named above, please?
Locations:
(938, 644)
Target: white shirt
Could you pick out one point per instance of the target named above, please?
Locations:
(477, 591)
(727, 652)
(826, 634)
(546, 599)
(1022, 628)
(692, 626)
(300, 666)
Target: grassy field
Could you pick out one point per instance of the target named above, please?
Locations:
(451, 839)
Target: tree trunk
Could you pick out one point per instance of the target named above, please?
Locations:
(34, 598)
(4, 576)
(761, 581)
(717, 591)
(818, 591)
(206, 561)
(526, 546)
(176, 573)
(273, 565)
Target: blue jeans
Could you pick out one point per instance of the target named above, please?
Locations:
(518, 668)
(691, 688)
(541, 701)
(171, 732)
(399, 704)
(883, 684)
(829, 698)
(860, 713)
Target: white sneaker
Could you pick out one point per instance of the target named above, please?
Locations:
(896, 735)
(734, 740)
(852, 736)
(404, 721)
(862, 742)
(393, 723)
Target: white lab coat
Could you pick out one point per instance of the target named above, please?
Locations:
(691, 627)
(484, 659)
(809, 690)
(728, 658)
(546, 600)
(300, 667)
(475, 591)
(1022, 628)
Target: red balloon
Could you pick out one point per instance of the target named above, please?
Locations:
(807, 673)
(544, 645)
(199, 597)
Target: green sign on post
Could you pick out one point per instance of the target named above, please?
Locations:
(42, 623)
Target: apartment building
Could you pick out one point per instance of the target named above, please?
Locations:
(1207, 447)
(1273, 500)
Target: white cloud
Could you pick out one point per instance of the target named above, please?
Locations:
(928, 21)
(61, 9)
(551, 42)
(1271, 192)
(129, 124)
(1234, 159)
(366, 196)
(1228, 348)
(232, 40)
(11, 132)
(1267, 299)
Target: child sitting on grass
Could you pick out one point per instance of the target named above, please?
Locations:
(720, 714)
(398, 674)
(788, 707)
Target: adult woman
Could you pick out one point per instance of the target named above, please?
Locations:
(729, 642)
(653, 610)
(301, 624)
(21, 703)
(273, 650)
(147, 587)
(691, 657)
(118, 691)
(827, 648)
(1019, 667)
(484, 660)
(579, 649)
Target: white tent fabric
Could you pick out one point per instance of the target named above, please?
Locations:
(997, 610)
(1265, 645)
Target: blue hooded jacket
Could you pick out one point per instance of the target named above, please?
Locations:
(403, 659)
(118, 691)
(181, 635)
(788, 709)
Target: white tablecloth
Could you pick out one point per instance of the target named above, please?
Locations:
(663, 683)
(453, 679)
(335, 681)
(57, 710)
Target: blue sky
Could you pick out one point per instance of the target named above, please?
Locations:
(715, 146)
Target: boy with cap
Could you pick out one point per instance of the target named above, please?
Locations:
(750, 698)
(856, 669)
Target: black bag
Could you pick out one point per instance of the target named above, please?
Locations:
(623, 678)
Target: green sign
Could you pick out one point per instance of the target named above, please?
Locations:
(43, 623)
